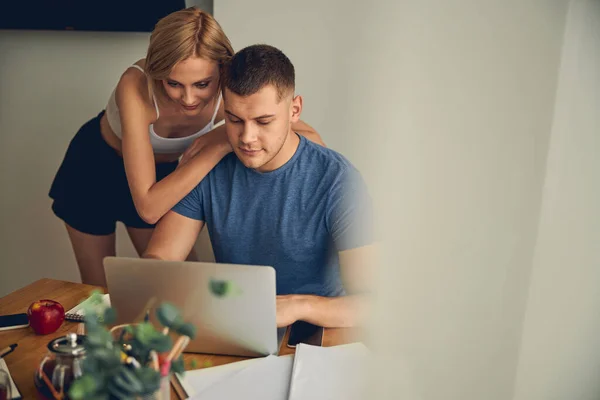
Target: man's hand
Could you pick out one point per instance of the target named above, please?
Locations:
(288, 310)
(215, 140)
(328, 312)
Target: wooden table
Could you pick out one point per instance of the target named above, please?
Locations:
(25, 359)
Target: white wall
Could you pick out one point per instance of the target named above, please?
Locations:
(560, 355)
(51, 83)
(466, 126)
(321, 45)
(457, 100)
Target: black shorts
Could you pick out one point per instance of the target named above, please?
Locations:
(90, 190)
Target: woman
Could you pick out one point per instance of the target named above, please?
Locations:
(123, 164)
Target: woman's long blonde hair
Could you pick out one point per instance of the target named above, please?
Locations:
(180, 35)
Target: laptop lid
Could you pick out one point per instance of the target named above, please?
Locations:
(240, 322)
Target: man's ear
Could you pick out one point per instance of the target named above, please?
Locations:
(296, 108)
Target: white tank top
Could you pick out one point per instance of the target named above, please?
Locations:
(160, 145)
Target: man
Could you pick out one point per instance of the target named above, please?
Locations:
(278, 200)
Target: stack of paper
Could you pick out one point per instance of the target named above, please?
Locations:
(328, 373)
(313, 373)
(267, 379)
(197, 381)
(14, 392)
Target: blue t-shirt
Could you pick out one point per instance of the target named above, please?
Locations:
(295, 218)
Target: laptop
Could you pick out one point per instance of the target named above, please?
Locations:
(242, 322)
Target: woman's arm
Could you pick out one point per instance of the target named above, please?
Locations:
(154, 199)
(308, 132)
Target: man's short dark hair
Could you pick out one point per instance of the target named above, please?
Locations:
(257, 66)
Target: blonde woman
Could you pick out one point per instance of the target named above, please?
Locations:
(123, 165)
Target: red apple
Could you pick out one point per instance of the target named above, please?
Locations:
(45, 316)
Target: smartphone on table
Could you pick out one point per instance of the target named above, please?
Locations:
(13, 321)
(303, 332)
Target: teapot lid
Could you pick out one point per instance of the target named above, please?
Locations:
(71, 344)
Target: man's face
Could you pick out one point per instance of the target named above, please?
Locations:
(258, 127)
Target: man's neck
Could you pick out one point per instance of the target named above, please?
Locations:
(289, 148)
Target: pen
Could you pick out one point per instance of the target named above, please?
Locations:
(8, 350)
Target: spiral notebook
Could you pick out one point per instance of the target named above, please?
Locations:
(76, 313)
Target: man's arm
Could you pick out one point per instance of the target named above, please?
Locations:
(356, 269)
(349, 220)
(173, 237)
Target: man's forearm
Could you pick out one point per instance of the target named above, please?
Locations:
(332, 312)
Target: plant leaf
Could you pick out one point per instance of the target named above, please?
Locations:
(219, 288)
(83, 387)
(161, 343)
(91, 321)
(168, 314)
(132, 380)
(187, 329)
(178, 366)
(125, 382)
(98, 338)
(102, 396)
(110, 316)
(118, 392)
(145, 333)
(99, 396)
(89, 365)
(149, 378)
(107, 359)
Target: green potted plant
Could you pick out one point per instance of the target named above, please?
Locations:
(131, 361)
(134, 361)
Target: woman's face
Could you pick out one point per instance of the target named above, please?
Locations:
(192, 84)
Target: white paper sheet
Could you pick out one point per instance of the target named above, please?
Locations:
(329, 373)
(196, 381)
(267, 379)
(14, 392)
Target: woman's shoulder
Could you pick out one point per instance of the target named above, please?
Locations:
(133, 87)
(134, 78)
(141, 63)
(133, 82)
